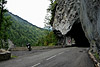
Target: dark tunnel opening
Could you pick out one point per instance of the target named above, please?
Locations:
(79, 36)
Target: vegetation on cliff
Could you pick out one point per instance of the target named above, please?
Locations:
(51, 38)
(51, 10)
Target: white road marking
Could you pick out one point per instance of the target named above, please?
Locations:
(36, 64)
(51, 57)
(60, 53)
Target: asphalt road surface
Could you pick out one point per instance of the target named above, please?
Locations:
(59, 57)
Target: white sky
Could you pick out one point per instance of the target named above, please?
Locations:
(33, 11)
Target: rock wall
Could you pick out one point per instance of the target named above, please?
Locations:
(87, 12)
(90, 20)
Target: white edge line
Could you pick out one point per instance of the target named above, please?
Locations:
(36, 64)
(51, 57)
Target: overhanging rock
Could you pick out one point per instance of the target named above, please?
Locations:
(65, 15)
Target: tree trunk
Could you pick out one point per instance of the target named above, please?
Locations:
(1, 20)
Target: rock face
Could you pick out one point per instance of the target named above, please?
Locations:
(90, 20)
(86, 12)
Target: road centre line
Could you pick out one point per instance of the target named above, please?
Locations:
(54, 56)
(60, 53)
(51, 57)
(36, 64)
(48, 59)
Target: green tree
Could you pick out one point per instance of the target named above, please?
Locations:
(51, 38)
(4, 22)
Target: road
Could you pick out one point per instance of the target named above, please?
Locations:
(59, 57)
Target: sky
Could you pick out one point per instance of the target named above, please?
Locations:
(33, 11)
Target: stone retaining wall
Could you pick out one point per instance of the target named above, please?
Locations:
(5, 55)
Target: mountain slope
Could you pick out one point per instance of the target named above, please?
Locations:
(22, 32)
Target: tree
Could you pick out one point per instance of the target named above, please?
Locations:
(4, 22)
(48, 40)
(52, 9)
(2, 10)
(49, 18)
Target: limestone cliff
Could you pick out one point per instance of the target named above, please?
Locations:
(90, 20)
(86, 12)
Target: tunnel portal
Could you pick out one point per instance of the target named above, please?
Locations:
(79, 36)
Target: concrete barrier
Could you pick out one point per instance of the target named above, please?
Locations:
(5, 55)
(34, 47)
(97, 64)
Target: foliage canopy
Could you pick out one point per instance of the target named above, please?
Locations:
(4, 23)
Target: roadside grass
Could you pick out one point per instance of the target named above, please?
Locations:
(13, 56)
(97, 56)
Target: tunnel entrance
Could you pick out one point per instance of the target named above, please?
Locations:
(79, 36)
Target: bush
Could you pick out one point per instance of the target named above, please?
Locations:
(48, 40)
(97, 55)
